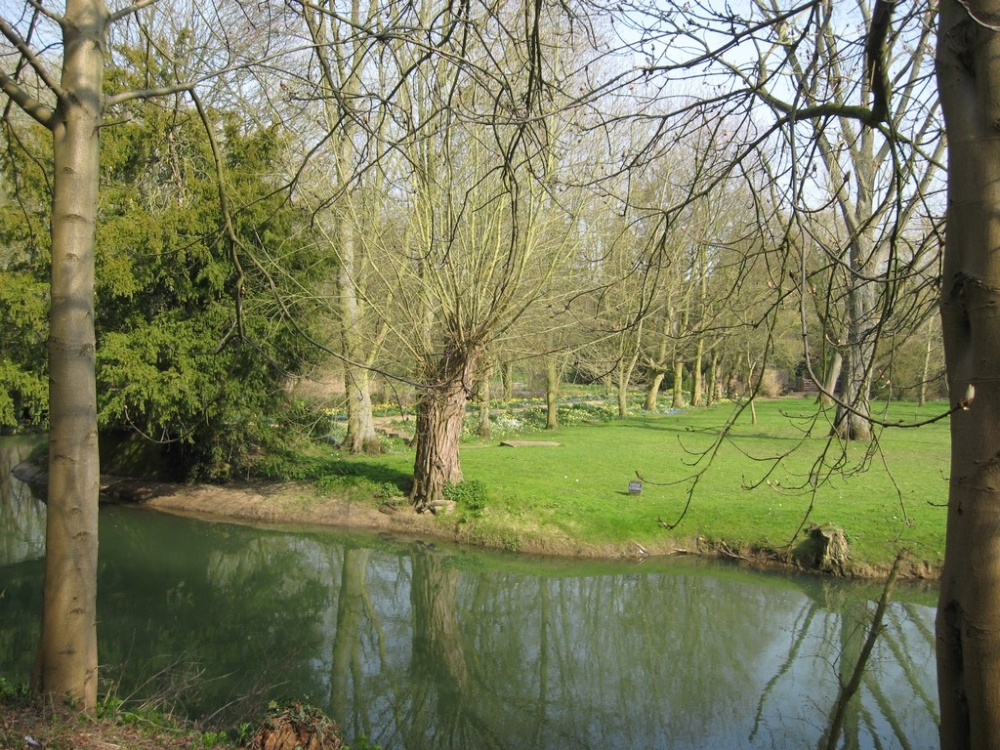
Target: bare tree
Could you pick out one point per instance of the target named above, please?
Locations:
(342, 51)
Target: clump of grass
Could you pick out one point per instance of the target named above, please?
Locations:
(472, 495)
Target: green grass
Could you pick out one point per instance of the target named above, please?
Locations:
(755, 488)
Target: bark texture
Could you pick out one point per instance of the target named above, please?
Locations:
(440, 412)
(66, 663)
(968, 622)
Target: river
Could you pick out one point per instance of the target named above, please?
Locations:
(425, 646)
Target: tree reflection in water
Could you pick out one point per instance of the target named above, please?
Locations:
(416, 647)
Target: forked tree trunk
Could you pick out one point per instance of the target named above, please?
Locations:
(440, 411)
(653, 391)
(968, 620)
(66, 662)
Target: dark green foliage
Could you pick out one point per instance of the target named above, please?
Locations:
(24, 285)
(175, 362)
(171, 362)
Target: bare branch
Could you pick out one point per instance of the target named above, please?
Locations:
(131, 9)
(159, 91)
(40, 112)
(878, 77)
(39, 8)
(30, 57)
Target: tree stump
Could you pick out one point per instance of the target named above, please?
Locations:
(824, 550)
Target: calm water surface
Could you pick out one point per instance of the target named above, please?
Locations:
(421, 646)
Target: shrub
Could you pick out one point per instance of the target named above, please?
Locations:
(471, 495)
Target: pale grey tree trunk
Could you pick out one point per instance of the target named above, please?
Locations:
(339, 67)
(714, 394)
(925, 370)
(853, 420)
(66, 663)
(832, 378)
(361, 436)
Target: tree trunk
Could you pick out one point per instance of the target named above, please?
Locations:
(714, 393)
(751, 387)
(678, 397)
(361, 435)
(551, 393)
(66, 662)
(653, 391)
(484, 430)
(621, 389)
(507, 378)
(832, 378)
(854, 409)
(440, 411)
(696, 381)
(925, 371)
(968, 621)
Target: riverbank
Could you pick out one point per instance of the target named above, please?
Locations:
(30, 724)
(301, 504)
(764, 489)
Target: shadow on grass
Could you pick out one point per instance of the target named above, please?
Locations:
(361, 470)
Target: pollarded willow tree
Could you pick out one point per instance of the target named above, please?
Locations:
(474, 228)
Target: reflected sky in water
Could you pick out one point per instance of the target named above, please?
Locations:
(419, 646)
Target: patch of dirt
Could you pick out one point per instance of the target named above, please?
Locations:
(278, 503)
(292, 504)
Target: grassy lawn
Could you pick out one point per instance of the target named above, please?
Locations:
(755, 488)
